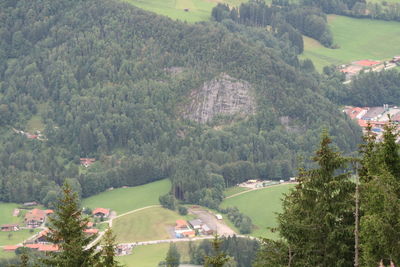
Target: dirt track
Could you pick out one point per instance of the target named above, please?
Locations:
(208, 218)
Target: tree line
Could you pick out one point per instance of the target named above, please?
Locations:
(382, 10)
(282, 19)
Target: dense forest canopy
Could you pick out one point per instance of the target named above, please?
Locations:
(100, 76)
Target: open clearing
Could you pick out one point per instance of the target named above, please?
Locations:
(198, 9)
(151, 255)
(125, 199)
(16, 237)
(6, 254)
(261, 206)
(149, 224)
(6, 211)
(358, 39)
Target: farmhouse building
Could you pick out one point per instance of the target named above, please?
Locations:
(35, 218)
(91, 231)
(206, 230)
(182, 229)
(101, 213)
(28, 204)
(373, 114)
(196, 224)
(86, 162)
(42, 237)
(9, 227)
(38, 247)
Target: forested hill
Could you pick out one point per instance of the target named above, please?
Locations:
(112, 82)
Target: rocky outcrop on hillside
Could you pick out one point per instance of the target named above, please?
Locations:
(224, 95)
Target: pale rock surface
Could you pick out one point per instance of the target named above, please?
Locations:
(224, 95)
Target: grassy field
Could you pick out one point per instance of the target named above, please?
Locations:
(16, 237)
(260, 206)
(6, 254)
(358, 39)
(6, 211)
(198, 9)
(151, 255)
(125, 199)
(148, 224)
(234, 190)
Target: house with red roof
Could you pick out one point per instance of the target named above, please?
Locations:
(366, 63)
(86, 162)
(35, 218)
(101, 212)
(42, 236)
(38, 247)
(91, 231)
(182, 229)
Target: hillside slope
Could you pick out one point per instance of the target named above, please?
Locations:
(97, 75)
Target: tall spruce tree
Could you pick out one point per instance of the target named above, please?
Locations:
(380, 199)
(67, 232)
(317, 221)
(108, 250)
(219, 258)
(173, 258)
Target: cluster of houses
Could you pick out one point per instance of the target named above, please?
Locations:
(191, 228)
(36, 218)
(37, 135)
(254, 184)
(33, 219)
(353, 69)
(376, 117)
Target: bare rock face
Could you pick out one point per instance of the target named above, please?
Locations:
(223, 95)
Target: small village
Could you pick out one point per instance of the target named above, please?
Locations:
(376, 117)
(353, 69)
(36, 219)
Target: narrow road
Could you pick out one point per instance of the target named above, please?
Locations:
(254, 189)
(174, 240)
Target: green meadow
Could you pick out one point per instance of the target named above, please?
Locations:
(357, 39)
(13, 238)
(148, 224)
(6, 211)
(261, 206)
(198, 10)
(123, 200)
(6, 254)
(151, 255)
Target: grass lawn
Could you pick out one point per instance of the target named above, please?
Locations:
(151, 255)
(144, 225)
(358, 39)
(125, 199)
(6, 211)
(260, 206)
(6, 254)
(16, 237)
(145, 256)
(198, 9)
(234, 190)
(35, 124)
